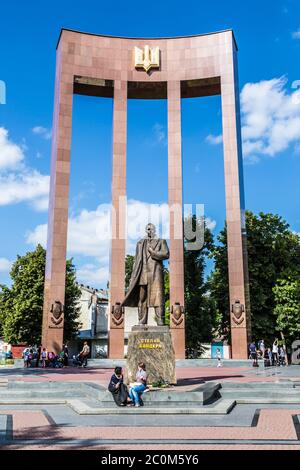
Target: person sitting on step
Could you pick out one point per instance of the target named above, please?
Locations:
(118, 389)
(138, 387)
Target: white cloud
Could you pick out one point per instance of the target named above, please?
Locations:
(296, 34)
(43, 132)
(37, 236)
(11, 154)
(18, 182)
(5, 265)
(210, 223)
(160, 135)
(89, 232)
(270, 117)
(89, 235)
(26, 186)
(214, 139)
(140, 213)
(92, 274)
(41, 203)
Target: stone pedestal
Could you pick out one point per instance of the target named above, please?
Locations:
(153, 346)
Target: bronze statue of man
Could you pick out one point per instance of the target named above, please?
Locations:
(146, 288)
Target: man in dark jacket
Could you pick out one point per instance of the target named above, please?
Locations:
(146, 287)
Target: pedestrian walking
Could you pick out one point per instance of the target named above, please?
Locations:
(253, 354)
(84, 353)
(219, 357)
(275, 352)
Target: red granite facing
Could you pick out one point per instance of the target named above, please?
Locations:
(100, 57)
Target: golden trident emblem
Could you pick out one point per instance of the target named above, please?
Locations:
(147, 58)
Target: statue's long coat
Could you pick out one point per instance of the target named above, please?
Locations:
(154, 270)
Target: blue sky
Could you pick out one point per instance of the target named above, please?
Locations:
(268, 37)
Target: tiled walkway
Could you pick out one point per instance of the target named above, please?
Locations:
(275, 428)
(28, 428)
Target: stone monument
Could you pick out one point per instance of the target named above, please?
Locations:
(121, 69)
(149, 344)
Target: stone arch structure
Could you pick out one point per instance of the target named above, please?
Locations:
(171, 68)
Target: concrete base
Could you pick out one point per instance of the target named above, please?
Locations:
(111, 363)
(214, 363)
(91, 399)
(221, 408)
(207, 399)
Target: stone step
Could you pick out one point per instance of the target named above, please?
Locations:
(221, 408)
(32, 401)
(106, 363)
(260, 389)
(20, 384)
(266, 400)
(3, 426)
(254, 385)
(112, 363)
(5, 393)
(88, 407)
(204, 393)
(235, 394)
(167, 398)
(213, 363)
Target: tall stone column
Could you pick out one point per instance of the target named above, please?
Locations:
(177, 323)
(54, 293)
(235, 206)
(118, 242)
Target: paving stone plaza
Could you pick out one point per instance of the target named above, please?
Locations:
(210, 408)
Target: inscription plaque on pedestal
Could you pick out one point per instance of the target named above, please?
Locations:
(153, 346)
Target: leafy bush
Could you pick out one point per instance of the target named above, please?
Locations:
(6, 362)
(160, 384)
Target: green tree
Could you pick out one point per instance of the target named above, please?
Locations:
(287, 306)
(72, 307)
(272, 249)
(129, 262)
(167, 295)
(200, 311)
(5, 306)
(21, 306)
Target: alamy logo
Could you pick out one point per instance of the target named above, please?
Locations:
(2, 92)
(296, 352)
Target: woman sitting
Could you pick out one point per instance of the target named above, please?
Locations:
(118, 388)
(140, 385)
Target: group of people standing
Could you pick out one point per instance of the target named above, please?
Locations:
(128, 396)
(273, 356)
(39, 356)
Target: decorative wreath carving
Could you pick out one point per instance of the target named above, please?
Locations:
(57, 310)
(238, 309)
(117, 311)
(177, 312)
